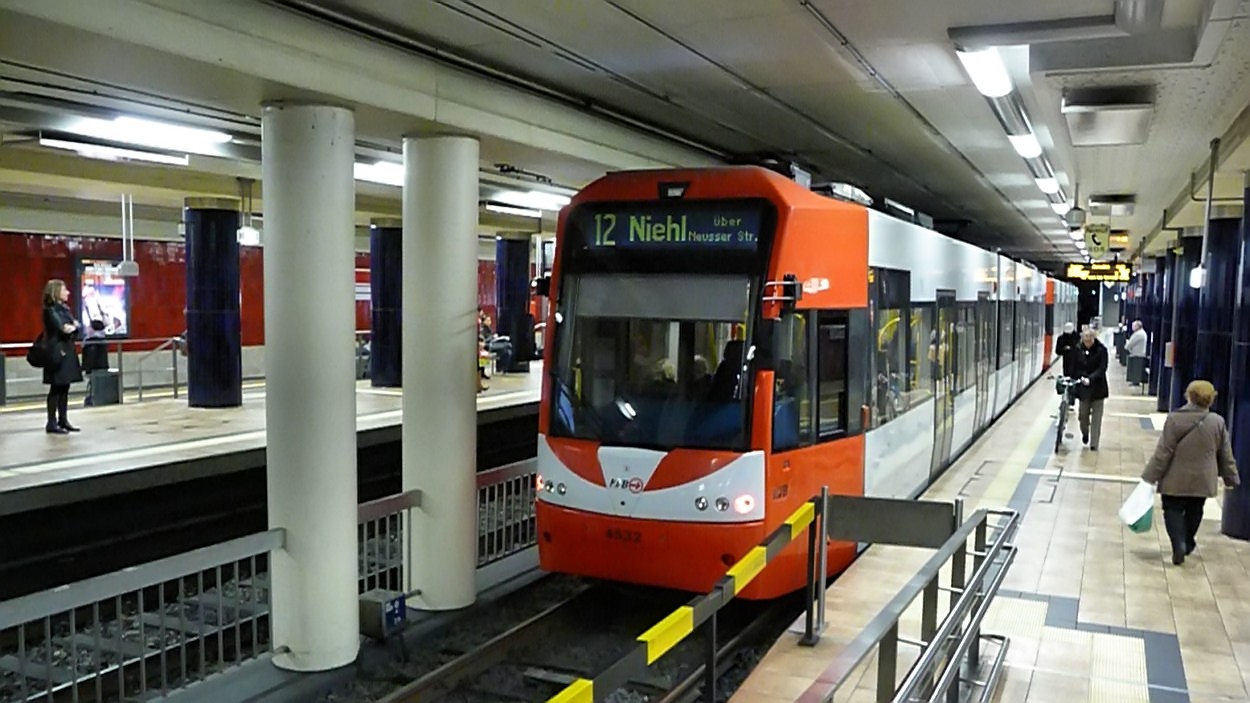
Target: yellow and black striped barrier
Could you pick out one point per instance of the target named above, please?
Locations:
(666, 634)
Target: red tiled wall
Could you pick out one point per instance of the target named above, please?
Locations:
(158, 295)
(486, 289)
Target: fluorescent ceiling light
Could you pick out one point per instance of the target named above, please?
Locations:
(109, 153)
(1060, 209)
(532, 200)
(384, 172)
(1076, 235)
(1026, 145)
(149, 133)
(509, 210)
(1048, 185)
(985, 68)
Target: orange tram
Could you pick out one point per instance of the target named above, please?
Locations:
(723, 342)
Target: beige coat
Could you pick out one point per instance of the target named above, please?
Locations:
(1188, 464)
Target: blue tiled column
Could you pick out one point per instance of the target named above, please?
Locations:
(512, 287)
(1236, 518)
(1167, 314)
(1215, 308)
(1185, 330)
(214, 344)
(386, 290)
(1158, 281)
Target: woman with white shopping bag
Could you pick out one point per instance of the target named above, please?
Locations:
(1192, 452)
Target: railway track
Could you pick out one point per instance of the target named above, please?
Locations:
(586, 633)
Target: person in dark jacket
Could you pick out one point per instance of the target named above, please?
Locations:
(1193, 451)
(1089, 361)
(1065, 345)
(59, 331)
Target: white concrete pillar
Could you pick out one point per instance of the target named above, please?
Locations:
(439, 367)
(310, 401)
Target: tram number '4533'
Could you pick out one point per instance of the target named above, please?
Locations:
(619, 535)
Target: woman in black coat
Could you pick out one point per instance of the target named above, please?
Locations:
(59, 331)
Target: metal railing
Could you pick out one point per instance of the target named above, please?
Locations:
(117, 351)
(142, 631)
(949, 663)
(158, 627)
(506, 526)
(150, 348)
(174, 345)
(383, 549)
(505, 511)
(949, 652)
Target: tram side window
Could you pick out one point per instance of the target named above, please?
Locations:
(831, 374)
(1006, 338)
(792, 401)
(926, 350)
(965, 332)
(889, 295)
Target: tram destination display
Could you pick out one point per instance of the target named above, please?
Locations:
(669, 227)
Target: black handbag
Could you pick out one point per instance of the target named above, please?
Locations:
(38, 355)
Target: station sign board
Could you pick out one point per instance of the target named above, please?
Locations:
(1097, 238)
(1118, 241)
(670, 226)
(1116, 272)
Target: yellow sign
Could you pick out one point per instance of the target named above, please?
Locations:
(1097, 238)
(1099, 271)
(1118, 241)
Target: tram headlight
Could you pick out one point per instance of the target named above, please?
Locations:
(700, 503)
(744, 503)
(722, 504)
(561, 488)
(549, 486)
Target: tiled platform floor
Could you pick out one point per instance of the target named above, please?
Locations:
(154, 432)
(1094, 612)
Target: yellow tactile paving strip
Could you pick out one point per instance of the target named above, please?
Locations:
(1072, 546)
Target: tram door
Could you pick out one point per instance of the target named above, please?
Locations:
(943, 380)
(985, 350)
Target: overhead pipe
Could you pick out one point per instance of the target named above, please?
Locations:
(1193, 185)
(1197, 277)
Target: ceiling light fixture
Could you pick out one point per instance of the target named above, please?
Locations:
(533, 200)
(985, 68)
(1076, 235)
(1026, 145)
(109, 153)
(383, 172)
(1060, 209)
(517, 211)
(150, 133)
(1048, 186)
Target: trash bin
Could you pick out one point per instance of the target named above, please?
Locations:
(105, 388)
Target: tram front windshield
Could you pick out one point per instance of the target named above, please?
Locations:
(653, 361)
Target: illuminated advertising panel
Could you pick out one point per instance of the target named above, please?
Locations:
(103, 295)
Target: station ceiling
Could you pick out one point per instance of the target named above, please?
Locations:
(1123, 96)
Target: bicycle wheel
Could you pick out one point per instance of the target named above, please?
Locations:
(1063, 420)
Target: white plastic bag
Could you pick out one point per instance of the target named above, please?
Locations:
(1137, 509)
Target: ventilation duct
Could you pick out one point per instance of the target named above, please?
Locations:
(1113, 204)
(1108, 116)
